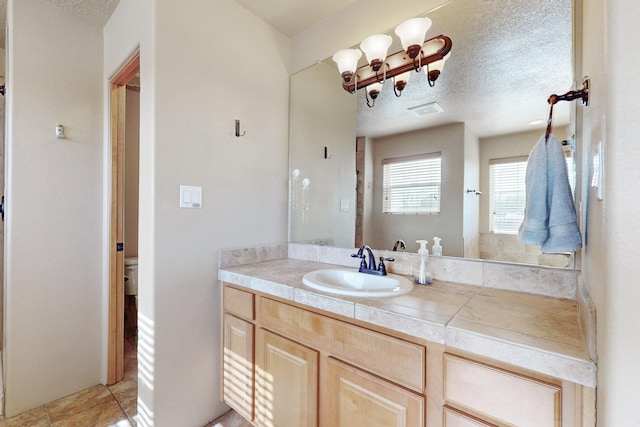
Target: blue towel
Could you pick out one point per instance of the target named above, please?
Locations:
(550, 213)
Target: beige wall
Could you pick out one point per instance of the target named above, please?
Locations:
(53, 339)
(610, 266)
(322, 114)
(193, 99)
(448, 225)
(57, 228)
(130, 28)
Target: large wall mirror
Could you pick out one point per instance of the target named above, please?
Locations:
(507, 58)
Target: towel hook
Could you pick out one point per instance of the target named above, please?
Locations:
(238, 134)
(582, 94)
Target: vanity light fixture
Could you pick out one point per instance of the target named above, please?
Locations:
(418, 54)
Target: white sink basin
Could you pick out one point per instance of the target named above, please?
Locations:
(346, 281)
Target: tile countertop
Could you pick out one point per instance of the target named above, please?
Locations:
(534, 332)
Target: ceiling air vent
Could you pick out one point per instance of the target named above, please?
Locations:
(426, 109)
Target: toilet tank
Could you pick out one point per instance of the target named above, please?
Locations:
(131, 272)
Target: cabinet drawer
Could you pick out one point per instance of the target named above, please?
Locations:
(367, 349)
(500, 395)
(238, 302)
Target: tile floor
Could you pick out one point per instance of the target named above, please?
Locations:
(104, 406)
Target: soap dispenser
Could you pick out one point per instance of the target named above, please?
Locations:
(420, 273)
(436, 249)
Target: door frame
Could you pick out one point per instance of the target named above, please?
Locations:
(117, 92)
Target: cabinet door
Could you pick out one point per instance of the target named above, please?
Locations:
(453, 418)
(238, 365)
(286, 382)
(355, 398)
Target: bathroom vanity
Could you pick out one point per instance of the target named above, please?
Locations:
(444, 355)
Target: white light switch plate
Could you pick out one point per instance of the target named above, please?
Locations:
(344, 205)
(190, 197)
(597, 180)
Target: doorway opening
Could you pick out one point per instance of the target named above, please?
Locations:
(123, 245)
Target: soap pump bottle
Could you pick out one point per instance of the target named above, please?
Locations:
(436, 249)
(420, 273)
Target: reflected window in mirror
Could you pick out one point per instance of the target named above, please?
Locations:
(412, 185)
(508, 194)
(508, 191)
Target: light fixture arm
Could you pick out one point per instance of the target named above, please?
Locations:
(384, 73)
(370, 103)
(364, 76)
(398, 88)
(417, 63)
(355, 84)
(431, 82)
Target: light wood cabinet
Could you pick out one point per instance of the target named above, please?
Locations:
(370, 350)
(312, 369)
(494, 394)
(453, 418)
(286, 382)
(237, 359)
(355, 398)
(239, 303)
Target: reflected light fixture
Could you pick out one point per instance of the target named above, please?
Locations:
(418, 54)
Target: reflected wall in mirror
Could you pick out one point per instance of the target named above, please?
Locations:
(322, 177)
(507, 58)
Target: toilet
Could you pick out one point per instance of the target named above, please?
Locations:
(131, 277)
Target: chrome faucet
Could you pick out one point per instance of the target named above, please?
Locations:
(401, 243)
(370, 268)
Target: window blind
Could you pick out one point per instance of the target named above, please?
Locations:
(507, 187)
(508, 192)
(411, 185)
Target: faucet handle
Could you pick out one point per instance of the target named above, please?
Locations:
(381, 267)
(363, 262)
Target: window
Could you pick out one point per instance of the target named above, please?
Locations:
(411, 185)
(506, 178)
(508, 194)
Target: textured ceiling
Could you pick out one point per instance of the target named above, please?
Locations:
(95, 12)
(92, 11)
(507, 58)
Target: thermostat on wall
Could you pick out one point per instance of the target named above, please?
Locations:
(190, 197)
